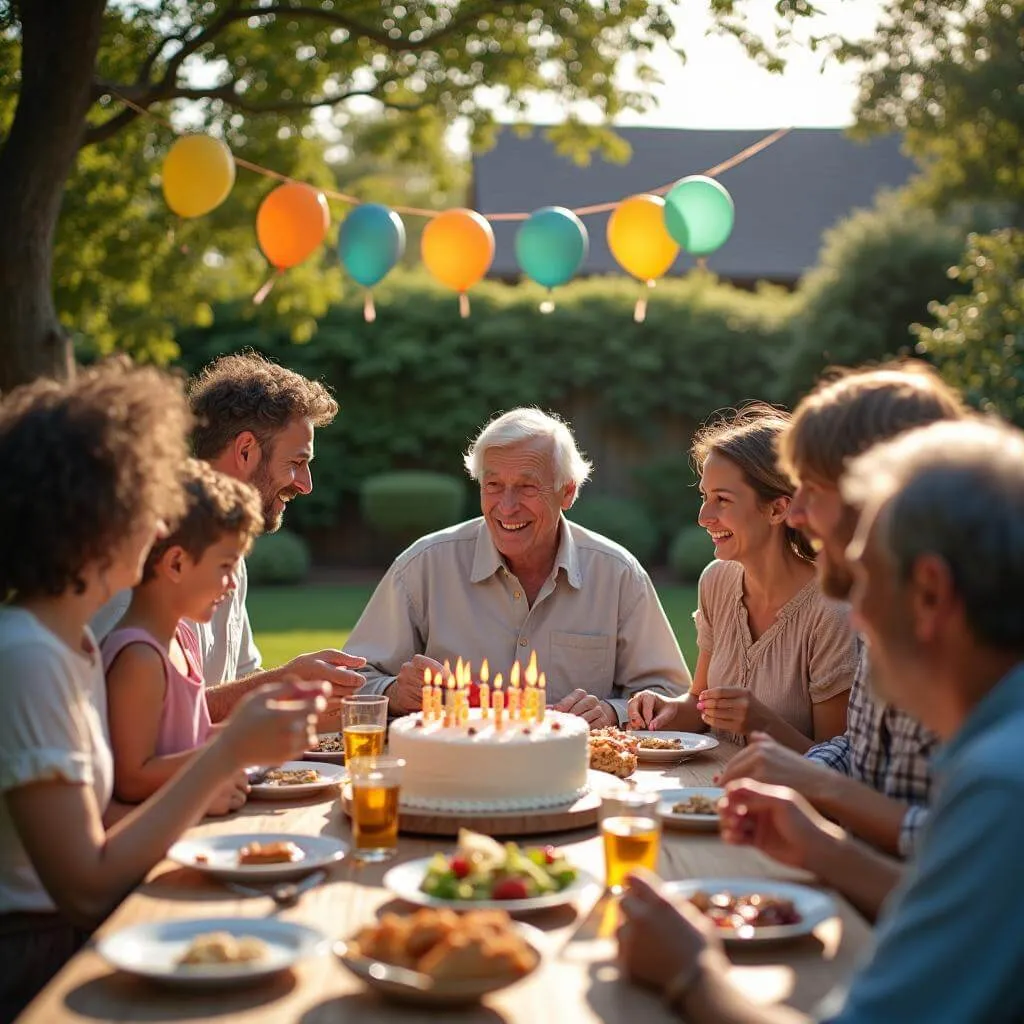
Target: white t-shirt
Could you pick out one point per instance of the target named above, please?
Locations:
(229, 651)
(53, 725)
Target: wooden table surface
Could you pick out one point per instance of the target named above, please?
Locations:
(579, 982)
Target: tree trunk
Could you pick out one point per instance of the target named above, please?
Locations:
(60, 40)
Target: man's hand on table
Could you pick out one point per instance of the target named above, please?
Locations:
(777, 821)
(596, 713)
(405, 694)
(765, 760)
(328, 666)
(658, 940)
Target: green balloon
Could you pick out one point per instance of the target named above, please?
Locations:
(699, 214)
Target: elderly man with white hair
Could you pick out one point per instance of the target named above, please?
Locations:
(938, 565)
(520, 579)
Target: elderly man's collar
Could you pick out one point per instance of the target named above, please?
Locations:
(487, 561)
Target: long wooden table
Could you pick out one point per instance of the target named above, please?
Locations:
(579, 982)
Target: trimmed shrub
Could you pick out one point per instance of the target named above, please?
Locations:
(409, 503)
(619, 519)
(877, 272)
(277, 559)
(667, 487)
(690, 552)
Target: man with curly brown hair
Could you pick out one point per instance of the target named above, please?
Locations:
(255, 421)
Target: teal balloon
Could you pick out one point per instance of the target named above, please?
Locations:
(551, 245)
(371, 242)
(699, 214)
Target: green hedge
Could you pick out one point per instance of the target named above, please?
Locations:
(277, 559)
(621, 520)
(690, 551)
(418, 384)
(412, 502)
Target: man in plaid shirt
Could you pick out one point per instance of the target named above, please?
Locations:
(875, 778)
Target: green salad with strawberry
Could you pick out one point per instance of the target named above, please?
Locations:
(483, 869)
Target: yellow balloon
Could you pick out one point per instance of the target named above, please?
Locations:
(638, 238)
(198, 174)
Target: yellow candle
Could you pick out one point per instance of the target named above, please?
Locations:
(449, 703)
(498, 702)
(542, 697)
(485, 690)
(426, 699)
(513, 693)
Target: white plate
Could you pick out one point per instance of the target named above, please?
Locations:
(330, 775)
(326, 756)
(404, 881)
(812, 905)
(669, 797)
(152, 950)
(691, 743)
(221, 853)
(459, 992)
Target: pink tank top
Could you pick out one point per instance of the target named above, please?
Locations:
(185, 719)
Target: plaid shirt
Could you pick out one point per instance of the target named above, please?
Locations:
(886, 750)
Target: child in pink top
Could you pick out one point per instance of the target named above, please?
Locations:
(156, 698)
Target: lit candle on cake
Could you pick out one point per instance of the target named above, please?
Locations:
(542, 697)
(485, 690)
(449, 702)
(467, 673)
(530, 711)
(513, 693)
(427, 700)
(497, 701)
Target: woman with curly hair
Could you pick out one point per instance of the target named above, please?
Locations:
(91, 471)
(775, 655)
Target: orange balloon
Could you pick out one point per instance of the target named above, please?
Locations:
(458, 248)
(638, 238)
(291, 224)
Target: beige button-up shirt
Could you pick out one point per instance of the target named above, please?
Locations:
(597, 623)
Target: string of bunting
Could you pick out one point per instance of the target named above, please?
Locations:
(645, 232)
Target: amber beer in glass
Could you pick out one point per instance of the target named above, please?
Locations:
(631, 832)
(376, 783)
(364, 721)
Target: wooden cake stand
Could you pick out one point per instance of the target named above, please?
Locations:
(581, 814)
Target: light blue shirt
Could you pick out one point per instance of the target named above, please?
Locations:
(951, 942)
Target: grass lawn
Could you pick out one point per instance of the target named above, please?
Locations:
(293, 620)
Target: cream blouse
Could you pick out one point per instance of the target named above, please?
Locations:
(808, 655)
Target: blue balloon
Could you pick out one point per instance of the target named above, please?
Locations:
(371, 242)
(551, 245)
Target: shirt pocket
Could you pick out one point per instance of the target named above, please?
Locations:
(582, 660)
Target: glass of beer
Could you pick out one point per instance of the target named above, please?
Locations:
(364, 722)
(375, 787)
(631, 831)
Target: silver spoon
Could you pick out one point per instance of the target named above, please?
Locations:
(380, 971)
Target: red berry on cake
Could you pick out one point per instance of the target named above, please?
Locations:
(556, 726)
(471, 731)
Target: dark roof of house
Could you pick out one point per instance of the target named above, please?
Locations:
(786, 196)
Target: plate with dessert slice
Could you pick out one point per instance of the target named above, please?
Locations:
(662, 747)
(257, 856)
(750, 910)
(294, 780)
(212, 952)
(483, 874)
(436, 957)
(693, 807)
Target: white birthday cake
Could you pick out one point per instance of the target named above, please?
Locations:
(479, 766)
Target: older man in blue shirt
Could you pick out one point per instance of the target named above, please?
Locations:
(939, 595)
